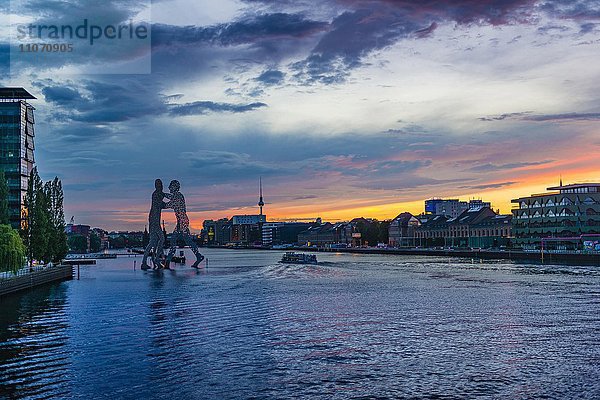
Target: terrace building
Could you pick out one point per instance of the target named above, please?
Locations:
(475, 228)
(401, 232)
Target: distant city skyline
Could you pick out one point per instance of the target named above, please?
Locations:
(346, 108)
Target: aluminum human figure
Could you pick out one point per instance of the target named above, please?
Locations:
(182, 230)
(157, 239)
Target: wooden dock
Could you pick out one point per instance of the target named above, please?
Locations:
(36, 278)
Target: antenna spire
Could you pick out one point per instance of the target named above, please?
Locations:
(261, 202)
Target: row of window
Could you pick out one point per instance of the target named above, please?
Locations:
(588, 189)
(551, 214)
(566, 222)
(504, 232)
(552, 203)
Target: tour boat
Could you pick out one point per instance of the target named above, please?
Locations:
(298, 258)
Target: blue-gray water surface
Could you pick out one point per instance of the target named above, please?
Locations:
(355, 326)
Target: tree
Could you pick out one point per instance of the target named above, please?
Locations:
(39, 220)
(384, 234)
(57, 244)
(95, 242)
(4, 217)
(78, 243)
(12, 250)
(43, 227)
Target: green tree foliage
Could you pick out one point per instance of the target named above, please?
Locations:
(43, 231)
(117, 242)
(57, 243)
(373, 231)
(384, 231)
(12, 250)
(4, 217)
(95, 242)
(78, 243)
(39, 221)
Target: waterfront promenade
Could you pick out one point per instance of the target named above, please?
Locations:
(30, 278)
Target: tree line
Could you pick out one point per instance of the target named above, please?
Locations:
(42, 234)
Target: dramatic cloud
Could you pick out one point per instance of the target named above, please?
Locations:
(345, 107)
(252, 29)
(205, 107)
(489, 167)
(528, 116)
(488, 186)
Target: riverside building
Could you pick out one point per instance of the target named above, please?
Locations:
(563, 218)
(16, 147)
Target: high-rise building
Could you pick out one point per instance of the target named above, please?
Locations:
(16, 146)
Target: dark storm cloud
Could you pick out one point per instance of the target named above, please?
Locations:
(572, 9)
(251, 29)
(489, 185)
(271, 77)
(528, 116)
(505, 116)
(100, 102)
(490, 167)
(588, 27)
(374, 25)
(62, 95)
(205, 107)
(74, 13)
(564, 117)
(122, 100)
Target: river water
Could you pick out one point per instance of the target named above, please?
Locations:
(355, 326)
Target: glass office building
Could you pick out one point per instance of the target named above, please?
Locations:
(565, 218)
(16, 146)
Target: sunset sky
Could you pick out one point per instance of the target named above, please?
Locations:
(346, 108)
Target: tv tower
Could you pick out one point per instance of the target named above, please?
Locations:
(261, 202)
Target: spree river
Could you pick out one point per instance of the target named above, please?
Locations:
(354, 326)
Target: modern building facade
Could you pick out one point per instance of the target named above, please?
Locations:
(452, 208)
(281, 233)
(563, 218)
(217, 233)
(16, 147)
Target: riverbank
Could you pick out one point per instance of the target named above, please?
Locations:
(35, 278)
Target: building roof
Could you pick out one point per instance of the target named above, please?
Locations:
(435, 222)
(7, 93)
(574, 186)
(497, 220)
(473, 216)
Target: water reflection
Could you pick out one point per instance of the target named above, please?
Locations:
(33, 337)
(354, 326)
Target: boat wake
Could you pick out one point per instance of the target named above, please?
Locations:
(301, 271)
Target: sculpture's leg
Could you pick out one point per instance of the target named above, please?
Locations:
(159, 252)
(190, 242)
(144, 265)
(172, 250)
